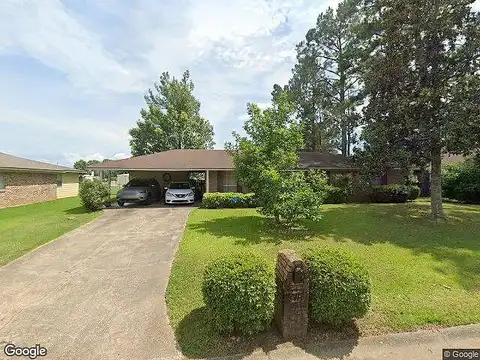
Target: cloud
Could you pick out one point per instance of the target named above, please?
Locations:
(76, 71)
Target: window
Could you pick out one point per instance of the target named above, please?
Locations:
(229, 182)
(2, 184)
(59, 180)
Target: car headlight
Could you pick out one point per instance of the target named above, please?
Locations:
(169, 193)
(191, 193)
(142, 191)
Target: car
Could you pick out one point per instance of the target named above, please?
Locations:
(139, 191)
(179, 193)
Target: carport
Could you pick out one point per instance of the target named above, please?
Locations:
(213, 168)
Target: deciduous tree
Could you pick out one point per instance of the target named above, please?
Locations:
(171, 119)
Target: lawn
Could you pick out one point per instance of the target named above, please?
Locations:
(423, 274)
(26, 227)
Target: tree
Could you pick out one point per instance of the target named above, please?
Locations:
(326, 86)
(171, 119)
(422, 81)
(80, 165)
(266, 158)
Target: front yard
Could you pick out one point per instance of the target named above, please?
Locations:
(24, 228)
(423, 274)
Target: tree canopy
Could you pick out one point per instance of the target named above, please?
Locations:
(422, 82)
(265, 158)
(326, 87)
(171, 119)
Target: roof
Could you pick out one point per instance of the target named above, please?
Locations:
(449, 159)
(200, 159)
(14, 163)
(325, 161)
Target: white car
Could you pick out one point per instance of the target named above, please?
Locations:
(179, 193)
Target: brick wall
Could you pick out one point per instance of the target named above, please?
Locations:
(213, 185)
(27, 188)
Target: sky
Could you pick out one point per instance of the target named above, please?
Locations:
(73, 72)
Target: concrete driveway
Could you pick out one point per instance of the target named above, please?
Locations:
(98, 291)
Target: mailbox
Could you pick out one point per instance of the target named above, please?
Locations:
(291, 300)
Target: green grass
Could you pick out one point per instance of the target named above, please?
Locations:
(424, 274)
(24, 228)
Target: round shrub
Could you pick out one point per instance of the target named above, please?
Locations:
(413, 192)
(339, 287)
(390, 194)
(94, 194)
(335, 195)
(239, 292)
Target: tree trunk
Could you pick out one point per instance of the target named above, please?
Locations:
(436, 186)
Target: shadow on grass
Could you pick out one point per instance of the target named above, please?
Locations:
(197, 339)
(77, 211)
(248, 230)
(406, 225)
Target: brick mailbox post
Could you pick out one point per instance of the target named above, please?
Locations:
(291, 301)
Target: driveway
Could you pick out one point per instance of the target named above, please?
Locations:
(98, 292)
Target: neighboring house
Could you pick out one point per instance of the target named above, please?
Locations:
(216, 166)
(24, 181)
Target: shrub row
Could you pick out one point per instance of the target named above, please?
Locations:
(219, 200)
(335, 195)
(462, 182)
(395, 193)
(239, 291)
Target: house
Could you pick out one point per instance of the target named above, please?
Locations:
(24, 181)
(215, 168)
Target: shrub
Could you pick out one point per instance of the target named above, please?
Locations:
(94, 194)
(239, 292)
(339, 287)
(228, 200)
(462, 182)
(413, 192)
(335, 195)
(390, 194)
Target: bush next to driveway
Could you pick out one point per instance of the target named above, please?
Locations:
(94, 194)
(218, 200)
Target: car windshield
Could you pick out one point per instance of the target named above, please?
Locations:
(137, 182)
(179, 186)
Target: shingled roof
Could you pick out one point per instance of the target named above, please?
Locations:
(15, 163)
(199, 159)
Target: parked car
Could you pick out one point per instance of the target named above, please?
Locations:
(139, 191)
(179, 193)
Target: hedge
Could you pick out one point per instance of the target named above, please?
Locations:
(239, 291)
(335, 195)
(390, 194)
(94, 194)
(340, 287)
(413, 192)
(219, 200)
(462, 182)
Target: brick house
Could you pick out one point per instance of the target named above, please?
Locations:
(215, 166)
(24, 181)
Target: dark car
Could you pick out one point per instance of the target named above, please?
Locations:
(139, 191)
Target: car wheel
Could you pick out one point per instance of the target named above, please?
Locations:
(121, 203)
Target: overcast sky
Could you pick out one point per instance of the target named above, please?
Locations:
(73, 72)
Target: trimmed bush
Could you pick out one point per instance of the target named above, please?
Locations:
(390, 194)
(239, 292)
(339, 287)
(413, 192)
(462, 182)
(219, 200)
(335, 195)
(94, 194)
